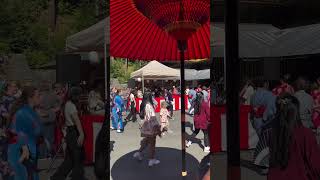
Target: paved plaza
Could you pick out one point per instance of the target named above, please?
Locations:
(124, 167)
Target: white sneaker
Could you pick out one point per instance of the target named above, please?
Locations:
(119, 131)
(153, 162)
(188, 144)
(138, 156)
(112, 128)
(207, 150)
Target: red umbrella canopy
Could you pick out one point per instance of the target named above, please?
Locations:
(138, 29)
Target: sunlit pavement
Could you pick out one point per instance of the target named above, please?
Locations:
(124, 167)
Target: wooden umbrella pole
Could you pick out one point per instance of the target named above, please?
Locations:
(232, 73)
(182, 46)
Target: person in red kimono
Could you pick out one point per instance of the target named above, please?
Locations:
(284, 86)
(315, 93)
(201, 120)
(294, 152)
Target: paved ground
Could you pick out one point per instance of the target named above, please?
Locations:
(124, 167)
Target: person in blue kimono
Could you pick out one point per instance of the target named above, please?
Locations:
(117, 109)
(264, 106)
(24, 130)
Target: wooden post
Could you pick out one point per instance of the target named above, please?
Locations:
(232, 67)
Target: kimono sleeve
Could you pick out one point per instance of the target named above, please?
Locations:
(22, 126)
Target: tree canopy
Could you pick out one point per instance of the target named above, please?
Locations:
(24, 26)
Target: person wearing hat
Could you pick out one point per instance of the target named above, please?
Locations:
(73, 160)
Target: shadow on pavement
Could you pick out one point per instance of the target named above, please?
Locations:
(189, 125)
(127, 167)
(249, 165)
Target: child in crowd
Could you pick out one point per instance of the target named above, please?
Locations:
(164, 114)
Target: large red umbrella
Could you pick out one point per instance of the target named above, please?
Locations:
(162, 30)
(134, 36)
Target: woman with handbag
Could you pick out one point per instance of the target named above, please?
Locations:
(150, 129)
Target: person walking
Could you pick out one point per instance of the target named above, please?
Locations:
(201, 120)
(192, 97)
(247, 92)
(48, 108)
(6, 102)
(284, 86)
(263, 105)
(164, 114)
(133, 110)
(169, 100)
(117, 109)
(24, 133)
(150, 129)
(294, 152)
(205, 93)
(306, 102)
(73, 160)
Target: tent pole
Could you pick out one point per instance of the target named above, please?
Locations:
(142, 80)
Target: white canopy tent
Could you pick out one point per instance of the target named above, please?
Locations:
(155, 71)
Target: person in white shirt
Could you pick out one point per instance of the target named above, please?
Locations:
(74, 139)
(205, 93)
(247, 92)
(306, 102)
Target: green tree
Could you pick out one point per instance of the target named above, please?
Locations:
(24, 27)
(120, 71)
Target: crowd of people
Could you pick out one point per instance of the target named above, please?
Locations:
(290, 111)
(124, 109)
(35, 120)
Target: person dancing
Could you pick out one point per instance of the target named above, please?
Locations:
(73, 160)
(294, 152)
(25, 130)
(133, 110)
(201, 120)
(150, 129)
(117, 109)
